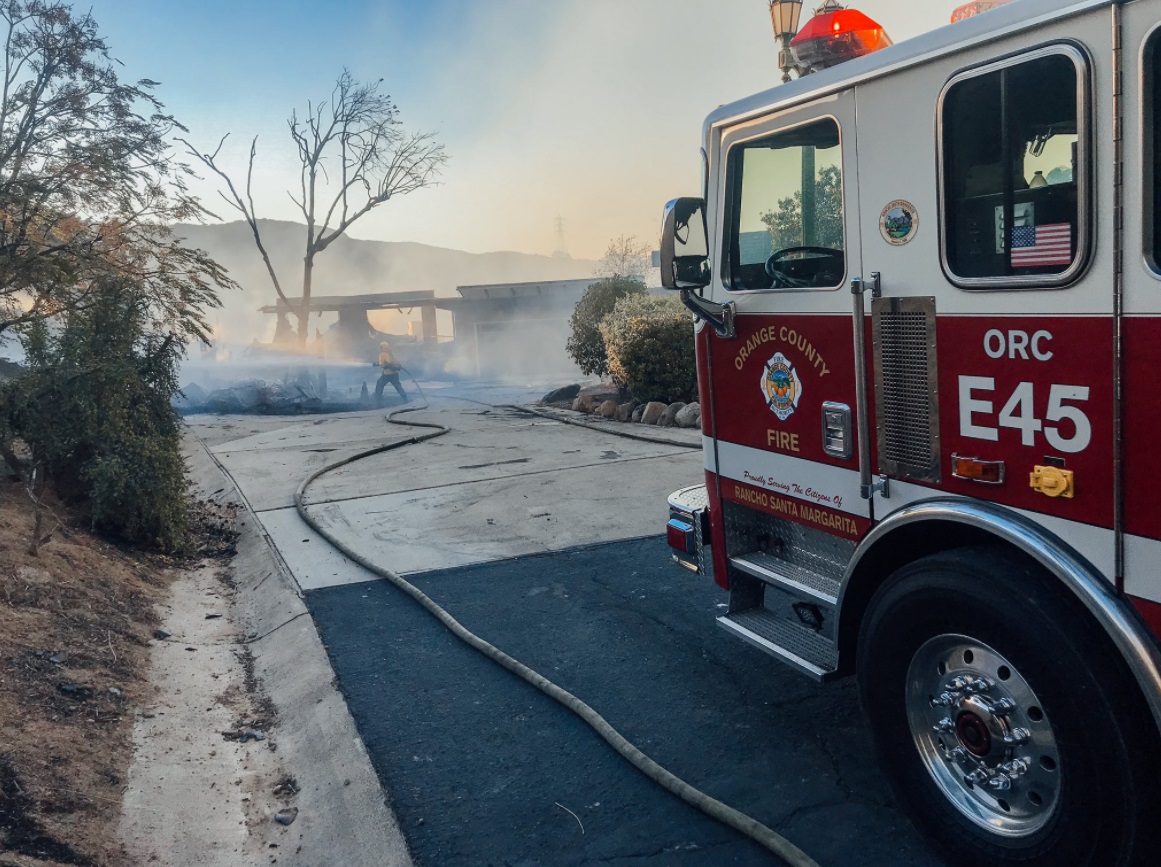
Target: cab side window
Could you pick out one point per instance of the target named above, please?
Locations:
(785, 210)
(1013, 165)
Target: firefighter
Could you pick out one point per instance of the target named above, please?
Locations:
(390, 373)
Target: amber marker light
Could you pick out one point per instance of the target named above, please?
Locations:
(976, 470)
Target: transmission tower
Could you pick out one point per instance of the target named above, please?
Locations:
(561, 251)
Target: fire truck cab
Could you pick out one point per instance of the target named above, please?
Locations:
(927, 296)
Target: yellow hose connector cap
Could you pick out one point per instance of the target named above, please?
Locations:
(1053, 482)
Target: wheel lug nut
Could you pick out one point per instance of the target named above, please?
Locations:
(1017, 736)
(979, 776)
(944, 725)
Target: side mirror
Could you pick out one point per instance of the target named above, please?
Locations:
(684, 245)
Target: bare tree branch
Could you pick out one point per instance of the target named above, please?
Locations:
(246, 207)
(355, 138)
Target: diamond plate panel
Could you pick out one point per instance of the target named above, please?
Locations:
(748, 531)
(808, 646)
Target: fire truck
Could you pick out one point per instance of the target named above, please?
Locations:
(926, 285)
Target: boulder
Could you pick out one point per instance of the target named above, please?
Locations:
(608, 409)
(668, 418)
(625, 411)
(689, 415)
(562, 395)
(638, 411)
(652, 412)
(583, 403)
(593, 396)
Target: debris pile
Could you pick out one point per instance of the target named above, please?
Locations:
(297, 390)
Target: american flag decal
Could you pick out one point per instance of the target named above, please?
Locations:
(1034, 246)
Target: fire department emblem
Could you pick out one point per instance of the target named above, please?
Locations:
(781, 386)
(899, 222)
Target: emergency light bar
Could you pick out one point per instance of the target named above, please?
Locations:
(837, 34)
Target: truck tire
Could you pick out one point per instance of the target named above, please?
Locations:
(1006, 722)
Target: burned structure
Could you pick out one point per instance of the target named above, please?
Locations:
(497, 330)
(353, 337)
(509, 329)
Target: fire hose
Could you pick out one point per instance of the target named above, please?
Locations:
(712, 807)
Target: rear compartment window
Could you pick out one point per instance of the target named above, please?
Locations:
(1013, 149)
(786, 210)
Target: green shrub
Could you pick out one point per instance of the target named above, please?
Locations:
(585, 344)
(651, 351)
(94, 410)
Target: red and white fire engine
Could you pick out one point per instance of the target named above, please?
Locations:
(927, 286)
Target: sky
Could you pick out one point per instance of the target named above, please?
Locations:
(587, 110)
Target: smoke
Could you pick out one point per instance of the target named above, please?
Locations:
(353, 267)
(586, 109)
(590, 110)
(593, 112)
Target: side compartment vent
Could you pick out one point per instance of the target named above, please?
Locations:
(906, 387)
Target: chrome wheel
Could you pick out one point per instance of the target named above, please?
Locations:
(983, 735)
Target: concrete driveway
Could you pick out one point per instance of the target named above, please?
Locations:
(545, 539)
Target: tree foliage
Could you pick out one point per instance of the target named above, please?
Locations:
(785, 223)
(585, 343)
(354, 156)
(94, 411)
(88, 185)
(651, 350)
(625, 257)
(93, 283)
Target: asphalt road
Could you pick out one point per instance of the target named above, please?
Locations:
(483, 770)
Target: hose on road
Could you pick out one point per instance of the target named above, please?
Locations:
(712, 807)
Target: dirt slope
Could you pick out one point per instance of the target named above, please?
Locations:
(75, 625)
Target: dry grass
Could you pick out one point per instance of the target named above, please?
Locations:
(75, 625)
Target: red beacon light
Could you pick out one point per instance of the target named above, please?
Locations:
(836, 34)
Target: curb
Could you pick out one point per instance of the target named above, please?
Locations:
(689, 438)
(343, 811)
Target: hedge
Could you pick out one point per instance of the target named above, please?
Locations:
(650, 345)
(585, 345)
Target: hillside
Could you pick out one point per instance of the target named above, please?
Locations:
(352, 266)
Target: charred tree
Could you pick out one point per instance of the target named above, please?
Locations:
(354, 157)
